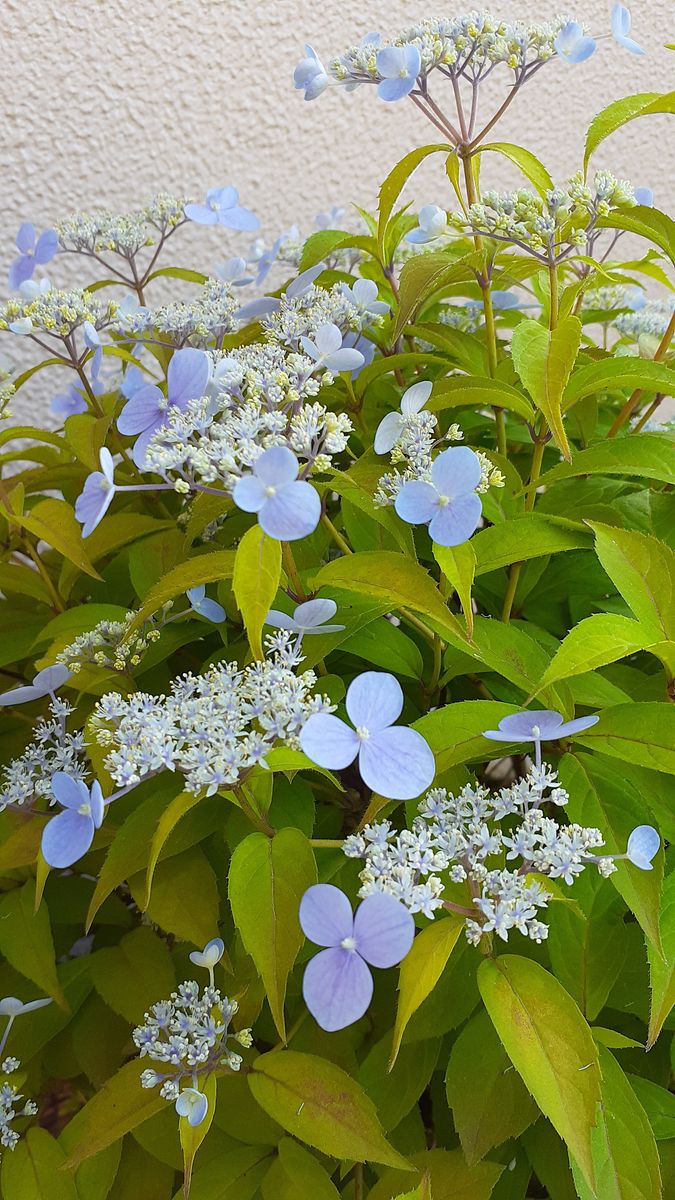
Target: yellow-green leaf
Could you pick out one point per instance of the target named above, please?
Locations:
(321, 1105)
(175, 809)
(33, 1170)
(119, 1106)
(257, 570)
(192, 1136)
(643, 570)
(26, 940)
(662, 970)
(549, 1044)
(526, 161)
(619, 112)
(203, 568)
(268, 877)
(53, 521)
(544, 360)
(421, 970)
(458, 564)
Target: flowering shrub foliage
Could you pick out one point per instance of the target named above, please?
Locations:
(337, 646)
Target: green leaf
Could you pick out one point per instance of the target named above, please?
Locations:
(599, 797)
(384, 645)
(26, 940)
(177, 808)
(255, 581)
(643, 571)
(184, 898)
(268, 877)
(531, 535)
(625, 1157)
(549, 1044)
(424, 275)
(383, 573)
(33, 1170)
(178, 273)
(528, 163)
(358, 485)
(203, 568)
(662, 970)
(421, 970)
(132, 975)
(119, 1106)
(659, 1105)
(321, 1105)
(489, 1100)
(234, 1175)
(649, 223)
(393, 186)
(423, 1192)
(544, 360)
(297, 1173)
(641, 732)
(465, 392)
(620, 112)
(587, 946)
(647, 455)
(595, 642)
(395, 1093)
(192, 1136)
(53, 521)
(458, 564)
(620, 374)
(449, 1178)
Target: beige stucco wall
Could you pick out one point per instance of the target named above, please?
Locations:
(105, 101)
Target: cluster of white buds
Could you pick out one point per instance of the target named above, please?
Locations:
(57, 312)
(551, 226)
(121, 233)
(460, 840)
(206, 318)
(468, 46)
(188, 1035)
(648, 321)
(301, 315)
(29, 777)
(212, 728)
(11, 1108)
(114, 644)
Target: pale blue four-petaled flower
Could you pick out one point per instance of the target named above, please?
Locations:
(399, 67)
(328, 350)
(222, 207)
(145, 412)
(200, 603)
(448, 503)
(193, 1105)
(537, 726)
(44, 683)
(337, 986)
(288, 508)
(69, 835)
(310, 617)
(393, 760)
(33, 251)
(391, 427)
(621, 23)
(97, 495)
(432, 223)
(310, 75)
(572, 44)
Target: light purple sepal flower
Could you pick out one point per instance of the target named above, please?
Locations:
(288, 508)
(211, 610)
(573, 44)
(68, 404)
(310, 75)
(69, 835)
(308, 618)
(94, 501)
(32, 252)
(222, 207)
(92, 341)
(643, 844)
(145, 413)
(192, 1104)
(621, 23)
(45, 683)
(393, 760)
(644, 196)
(537, 725)
(210, 955)
(390, 427)
(432, 224)
(337, 985)
(265, 305)
(10, 1006)
(358, 341)
(399, 67)
(328, 351)
(363, 293)
(448, 504)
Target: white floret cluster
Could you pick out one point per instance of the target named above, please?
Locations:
(112, 644)
(58, 312)
(413, 455)
(188, 1035)
(11, 1108)
(121, 233)
(461, 840)
(212, 728)
(549, 226)
(650, 321)
(208, 316)
(54, 748)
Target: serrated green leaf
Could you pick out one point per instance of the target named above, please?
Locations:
(33, 1171)
(268, 877)
(476, 393)
(549, 1044)
(647, 455)
(297, 1173)
(321, 1105)
(393, 186)
(131, 976)
(531, 535)
(643, 571)
(26, 940)
(595, 642)
(203, 568)
(116, 1109)
(528, 163)
(420, 971)
(662, 970)
(458, 564)
(544, 360)
(619, 113)
(426, 274)
(255, 581)
(641, 733)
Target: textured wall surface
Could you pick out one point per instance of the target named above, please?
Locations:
(103, 103)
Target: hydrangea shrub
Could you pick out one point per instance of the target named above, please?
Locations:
(338, 655)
